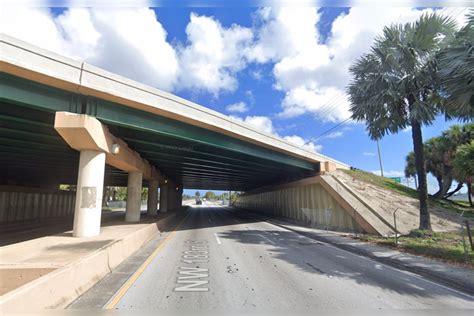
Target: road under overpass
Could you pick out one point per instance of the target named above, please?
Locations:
(67, 122)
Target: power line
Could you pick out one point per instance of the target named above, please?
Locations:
(327, 131)
(331, 103)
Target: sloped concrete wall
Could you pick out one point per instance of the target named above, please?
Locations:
(18, 206)
(309, 204)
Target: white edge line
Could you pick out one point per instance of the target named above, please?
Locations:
(217, 238)
(375, 262)
(267, 239)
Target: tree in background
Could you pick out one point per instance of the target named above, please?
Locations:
(197, 194)
(396, 86)
(464, 167)
(210, 195)
(439, 156)
(120, 193)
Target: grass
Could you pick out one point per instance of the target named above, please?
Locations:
(447, 246)
(386, 183)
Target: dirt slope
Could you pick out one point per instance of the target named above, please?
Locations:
(385, 202)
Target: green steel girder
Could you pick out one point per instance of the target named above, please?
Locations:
(44, 157)
(35, 95)
(33, 144)
(188, 154)
(29, 151)
(40, 96)
(154, 124)
(165, 156)
(146, 146)
(206, 167)
(25, 135)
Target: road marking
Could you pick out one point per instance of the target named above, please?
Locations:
(217, 238)
(267, 239)
(127, 285)
(198, 252)
(416, 276)
(190, 274)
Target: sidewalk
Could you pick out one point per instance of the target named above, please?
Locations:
(51, 271)
(459, 278)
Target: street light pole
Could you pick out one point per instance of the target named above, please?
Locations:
(380, 158)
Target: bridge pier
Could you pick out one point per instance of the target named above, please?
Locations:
(171, 196)
(152, 203)
(164, 197)
(180, 196)
(97, 147)
(90, 181)
(134, 197)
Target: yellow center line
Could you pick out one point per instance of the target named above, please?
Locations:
(123, 290)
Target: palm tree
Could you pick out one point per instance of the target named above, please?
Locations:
(395, 86)
(456, 68)
(464, 167)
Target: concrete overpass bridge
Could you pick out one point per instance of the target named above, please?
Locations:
(67, 122)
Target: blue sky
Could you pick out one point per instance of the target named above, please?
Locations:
(282, 70)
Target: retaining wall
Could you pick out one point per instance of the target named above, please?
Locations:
(310, 204)
(320, 201)
(18, 205)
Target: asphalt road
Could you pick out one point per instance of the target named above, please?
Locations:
(219, 259)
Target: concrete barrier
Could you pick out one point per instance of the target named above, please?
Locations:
(59, 288)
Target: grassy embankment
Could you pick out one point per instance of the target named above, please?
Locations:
(447, 246)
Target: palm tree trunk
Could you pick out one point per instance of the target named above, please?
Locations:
(447, 182)
(440, 186)
(469, 193)
(425, 222)
(459, 187)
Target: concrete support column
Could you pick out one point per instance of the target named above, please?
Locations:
(152, 207)
(90, 182)
(164, 197)
(180, 197)
(134, 196)
(172, 196)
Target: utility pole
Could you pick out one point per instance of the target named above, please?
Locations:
(380, 158)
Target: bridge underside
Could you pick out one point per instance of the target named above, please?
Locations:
(32, 153)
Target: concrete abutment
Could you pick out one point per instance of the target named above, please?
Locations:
(317, 201)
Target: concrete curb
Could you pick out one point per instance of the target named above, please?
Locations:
(59, 288)
(452, 280)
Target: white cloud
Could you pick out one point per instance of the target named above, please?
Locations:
(283, 32)
(257, 75)
(299, 141)
(129, 42)
(369, 154)
(328, 104)
(213, 56)
(239, 107)
(311, 72)
(133, 43)
(265, 124)
(261, 123)
(250, 96)
(390, 173)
